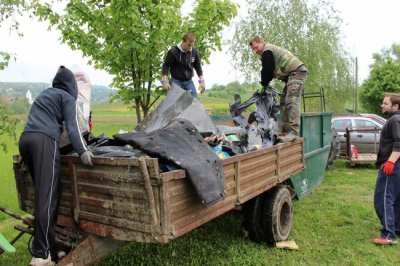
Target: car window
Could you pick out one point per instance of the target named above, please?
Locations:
(365, 124)
(341, 124)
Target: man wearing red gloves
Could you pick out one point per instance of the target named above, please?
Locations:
(387, 190)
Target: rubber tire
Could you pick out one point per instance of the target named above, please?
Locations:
(278, 215)
(253, 221)
(268, 217)
(335, 149)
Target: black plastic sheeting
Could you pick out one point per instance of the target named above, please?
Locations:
(267, 108)
(181, 143)
(116, 151)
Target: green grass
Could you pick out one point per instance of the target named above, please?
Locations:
(332, 226)
(219, 106)
(8, 192)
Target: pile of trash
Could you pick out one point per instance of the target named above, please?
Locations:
(181, 134)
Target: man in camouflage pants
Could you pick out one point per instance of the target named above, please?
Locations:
(281, 64)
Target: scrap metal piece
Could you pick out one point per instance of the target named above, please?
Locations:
(198, 116)
(178, 104)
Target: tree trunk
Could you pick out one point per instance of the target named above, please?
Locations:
(138, 113)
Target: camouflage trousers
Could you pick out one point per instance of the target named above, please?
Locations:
(290, 100)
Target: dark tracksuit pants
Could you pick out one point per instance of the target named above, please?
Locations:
(387, 202)
(40, 153)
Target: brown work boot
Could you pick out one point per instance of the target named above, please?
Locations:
(288, 137)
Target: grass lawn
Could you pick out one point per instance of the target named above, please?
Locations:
(8, 192)
(332, 226)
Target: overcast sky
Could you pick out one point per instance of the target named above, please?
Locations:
(368, 27)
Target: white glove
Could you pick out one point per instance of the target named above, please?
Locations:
(86, 158)
(165, 84)
(202, 86)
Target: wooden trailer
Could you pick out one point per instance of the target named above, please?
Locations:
(119, 200)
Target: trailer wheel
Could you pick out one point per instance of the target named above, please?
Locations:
(278, 214)
(252, 217)
(335, 149)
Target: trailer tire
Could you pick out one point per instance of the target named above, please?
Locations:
(278, 215)
(335, 149)
(252, 217)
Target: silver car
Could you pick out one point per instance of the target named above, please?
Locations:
(364, 131)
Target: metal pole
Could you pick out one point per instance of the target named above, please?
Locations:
(356, 89)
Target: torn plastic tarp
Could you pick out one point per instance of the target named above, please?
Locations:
(181, 143)
(266, 109)
(116, 151)
(178, 103)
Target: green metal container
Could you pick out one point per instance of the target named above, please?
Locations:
(317, 134)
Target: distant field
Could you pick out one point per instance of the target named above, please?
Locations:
(110, 118)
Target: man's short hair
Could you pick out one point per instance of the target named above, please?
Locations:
(257, 39)
(394, 98)
(189, 36)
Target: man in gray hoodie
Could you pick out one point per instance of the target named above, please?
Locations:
(39, 148)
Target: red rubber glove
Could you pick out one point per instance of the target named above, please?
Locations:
(388, 168)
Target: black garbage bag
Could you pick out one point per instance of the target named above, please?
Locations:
(180, 142)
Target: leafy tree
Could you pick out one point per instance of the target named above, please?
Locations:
(7, 125)
(8, 8)
(245, 90)
(312, 32)
(384, 77)
(130, 38)
(5, 59)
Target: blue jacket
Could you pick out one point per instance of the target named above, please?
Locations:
(54, 106)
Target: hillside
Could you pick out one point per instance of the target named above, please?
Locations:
(19, 89)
